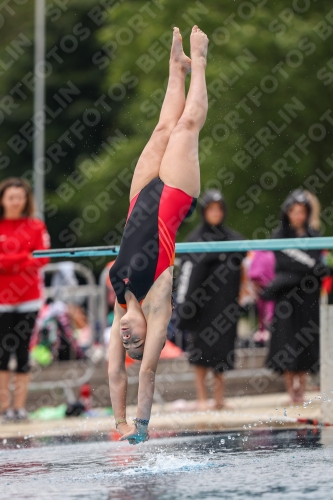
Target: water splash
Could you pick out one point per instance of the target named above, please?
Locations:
(160, 465)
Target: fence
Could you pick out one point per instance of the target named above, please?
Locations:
(92, 293)
(244, 246)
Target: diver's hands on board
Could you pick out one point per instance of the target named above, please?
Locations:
(134, 434)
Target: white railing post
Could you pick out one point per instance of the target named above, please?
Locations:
(326, 362)
(39, 103)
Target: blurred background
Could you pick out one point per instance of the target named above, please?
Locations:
(268, 131)
(270, 80)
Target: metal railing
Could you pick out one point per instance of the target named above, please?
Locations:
(89, 291)
(237, 246)
(93, 294)
(203, 246)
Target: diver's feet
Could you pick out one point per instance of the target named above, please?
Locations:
(177, 55)
(199, 44)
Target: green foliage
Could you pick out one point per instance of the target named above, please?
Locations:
(266, 88)
(280, 59)
(73, 84)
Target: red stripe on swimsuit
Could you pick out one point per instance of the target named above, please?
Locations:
(174, 207)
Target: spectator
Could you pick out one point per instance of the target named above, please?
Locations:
(294, 347)
(209, 285)
(55, 329)
(82, 331)
(261, 272)
(315, 210)
(20, 288)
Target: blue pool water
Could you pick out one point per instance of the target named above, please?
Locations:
(291, 464)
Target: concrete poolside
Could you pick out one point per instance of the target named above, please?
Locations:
(253, 412)
(60, 382)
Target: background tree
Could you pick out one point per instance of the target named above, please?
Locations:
(269, 126)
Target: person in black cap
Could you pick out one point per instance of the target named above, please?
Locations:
(207, 299)
(294, 347)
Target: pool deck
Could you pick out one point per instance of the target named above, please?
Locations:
(252, 412)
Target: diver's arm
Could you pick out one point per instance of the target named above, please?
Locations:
(116, 369)
(157, 312)
(157, 324)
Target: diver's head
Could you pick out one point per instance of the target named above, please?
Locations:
(133, 329)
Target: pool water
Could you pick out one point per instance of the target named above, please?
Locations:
(290, 464)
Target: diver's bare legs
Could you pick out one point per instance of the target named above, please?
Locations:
(180, 163)
(149, 162)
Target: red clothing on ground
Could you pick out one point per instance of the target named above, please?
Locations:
(20, 280)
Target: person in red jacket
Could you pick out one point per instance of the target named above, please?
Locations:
(20, 288)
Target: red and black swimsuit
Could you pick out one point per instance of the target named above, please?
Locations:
(148, 243)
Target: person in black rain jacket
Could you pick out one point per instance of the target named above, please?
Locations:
(207, 299)
(294, 347)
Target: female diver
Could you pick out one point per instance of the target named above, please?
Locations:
(165, 185)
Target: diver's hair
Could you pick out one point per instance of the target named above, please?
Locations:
(137, 357)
